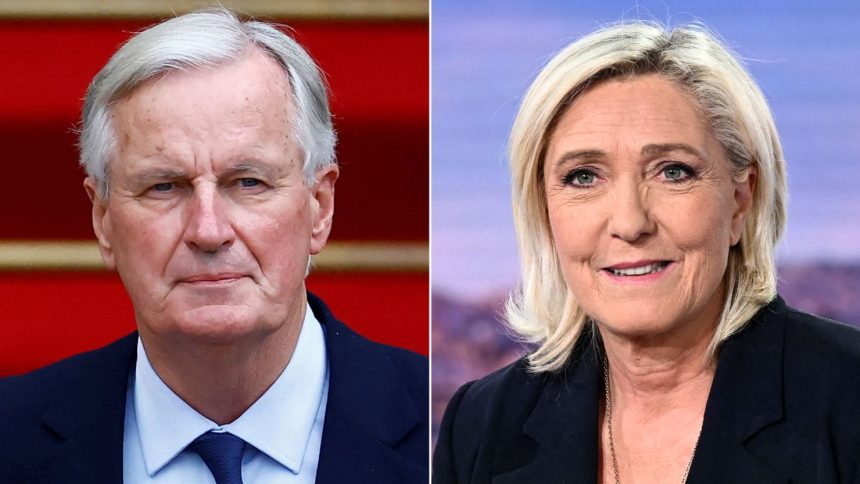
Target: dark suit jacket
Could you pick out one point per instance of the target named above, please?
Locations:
(64, 423)
(784, 407)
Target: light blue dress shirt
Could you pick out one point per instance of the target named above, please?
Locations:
(282, 429)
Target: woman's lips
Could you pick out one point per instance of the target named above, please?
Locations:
(639, 271)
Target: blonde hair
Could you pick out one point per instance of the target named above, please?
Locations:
(542, 311)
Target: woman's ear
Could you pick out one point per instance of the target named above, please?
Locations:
(744, 195)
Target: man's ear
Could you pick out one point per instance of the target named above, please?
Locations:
(323, 207)
(744, 196)
(101, 221)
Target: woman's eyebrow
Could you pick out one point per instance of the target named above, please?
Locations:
(649, 151)
(589, 154)
(653, 150)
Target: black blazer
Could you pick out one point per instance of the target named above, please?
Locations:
(64, 423)
(784, 407)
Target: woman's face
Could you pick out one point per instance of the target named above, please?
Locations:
(642, 206)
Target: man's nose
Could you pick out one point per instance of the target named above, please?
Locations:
(208, 228)
(630, 214)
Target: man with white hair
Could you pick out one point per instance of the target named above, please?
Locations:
(209, 153)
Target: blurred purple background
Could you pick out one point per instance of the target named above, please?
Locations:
(806, 57)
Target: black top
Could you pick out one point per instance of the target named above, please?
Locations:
(64, 423)
(784, 407)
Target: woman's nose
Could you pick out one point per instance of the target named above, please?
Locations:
(630, 215)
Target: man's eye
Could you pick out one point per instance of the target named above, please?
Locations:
(248, 182)
(580, 178)
(677, 172)
(163, 187)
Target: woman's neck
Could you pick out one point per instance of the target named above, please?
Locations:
(655, 369)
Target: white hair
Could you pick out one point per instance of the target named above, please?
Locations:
(543, 311)
(204, 39)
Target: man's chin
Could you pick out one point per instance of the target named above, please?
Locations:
(220, 325)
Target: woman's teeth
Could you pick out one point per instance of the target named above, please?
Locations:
(640, 271)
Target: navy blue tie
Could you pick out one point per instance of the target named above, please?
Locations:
(222, 454)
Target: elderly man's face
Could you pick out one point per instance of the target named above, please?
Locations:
(209, 221)
(643, 207)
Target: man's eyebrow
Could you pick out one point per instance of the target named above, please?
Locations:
(157, 173)
(654, 150)
(255, 168)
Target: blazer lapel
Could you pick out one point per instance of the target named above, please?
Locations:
(85, 421)
(564, 425)
(367, 414)
(746, 397)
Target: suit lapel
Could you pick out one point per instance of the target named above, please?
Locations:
(746, 397)
(367, 414)
(564, 425)
(84, 423)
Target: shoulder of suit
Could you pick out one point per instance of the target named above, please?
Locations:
(479, 400)
(472, 417)
(500, 380)
(820, 391)
(336, 328)
(821, 362)
(412, 369)
(409, 359)
(404, 368)
(82, 364)
(25, 397)
(820, 340)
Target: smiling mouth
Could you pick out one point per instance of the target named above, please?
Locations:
(642, 270)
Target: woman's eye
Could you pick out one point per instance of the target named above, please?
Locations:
(580, 178)
(677, 172)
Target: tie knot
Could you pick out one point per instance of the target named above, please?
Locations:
(222, 454)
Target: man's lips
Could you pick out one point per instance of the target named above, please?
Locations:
(212, 277)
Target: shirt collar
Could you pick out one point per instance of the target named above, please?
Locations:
(278, 424)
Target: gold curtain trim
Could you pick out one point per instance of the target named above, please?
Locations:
(40, 255)
(282, 9)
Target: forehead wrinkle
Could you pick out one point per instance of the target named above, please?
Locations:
(152, 123)
(144, 157)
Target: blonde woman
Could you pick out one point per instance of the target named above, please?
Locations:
(649, 193)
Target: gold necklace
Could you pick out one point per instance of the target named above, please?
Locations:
(612, 442)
